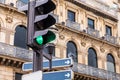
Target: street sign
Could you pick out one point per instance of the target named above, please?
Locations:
(33, 76)
(56, 63)
(58, 75)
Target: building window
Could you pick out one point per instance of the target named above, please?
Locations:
(92, 58)
(71, 15)
(110, 63)
(90, 23)
(108, 30)
(72, 51)
(20, 38)
(2, 1)
(18, 76)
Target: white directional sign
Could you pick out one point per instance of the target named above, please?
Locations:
(33, 76)
(56, 63)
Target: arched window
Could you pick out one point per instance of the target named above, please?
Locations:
(92, 58)
(110, 63)
(20, 38)
(72, 51)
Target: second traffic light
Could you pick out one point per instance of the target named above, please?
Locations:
(43, 20)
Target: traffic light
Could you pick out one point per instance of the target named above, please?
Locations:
(39, 22)
(43, 20)
(38, 32)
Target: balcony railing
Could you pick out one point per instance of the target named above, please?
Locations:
(93, 32)
(17, 52)
(95, 72)
(99, 5)
(73, 25)
(111, 39)
(2, 1)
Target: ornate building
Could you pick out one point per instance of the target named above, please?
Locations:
(88, 30)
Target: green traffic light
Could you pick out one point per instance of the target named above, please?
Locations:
(50, 36)
(39, 40)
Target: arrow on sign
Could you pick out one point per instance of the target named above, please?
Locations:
(67, 62)
(67, 75)
(58, 75)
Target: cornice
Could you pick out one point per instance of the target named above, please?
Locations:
(94, 10)
(10, 9)
(12, 62)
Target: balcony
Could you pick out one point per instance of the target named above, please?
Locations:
(111, 39)
(2, 1)
(15, 52)
(93, 32)
(95, 72)
(73, 25)
(100, 5)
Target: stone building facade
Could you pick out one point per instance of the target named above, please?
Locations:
(88, 30)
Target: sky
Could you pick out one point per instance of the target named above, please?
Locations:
(25, 1)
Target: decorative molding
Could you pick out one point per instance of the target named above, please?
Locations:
(111, 50)
(62, 37)
(83, 44)
(102, 49)
(10, 62)
(0, 24)
(118, 52)
(9, 19)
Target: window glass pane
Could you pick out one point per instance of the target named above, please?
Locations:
(108, 30)
(92, 57)
(110, 67)
(90, 23)
(2, 1)
(20, 38)
(72, 50)
(71, 15)
(110, 58)
(110, 63)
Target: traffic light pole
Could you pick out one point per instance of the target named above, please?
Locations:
(38, 60)
(39, 21)
(37, 53)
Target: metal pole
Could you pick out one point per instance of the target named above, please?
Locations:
(34, 61)
(50, 63)
(37, 53)
(31, 16)
(38, 59)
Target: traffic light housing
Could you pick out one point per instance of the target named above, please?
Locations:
(43, 20)
(38, 33)
(39, 22)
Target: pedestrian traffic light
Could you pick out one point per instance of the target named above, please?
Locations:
(43, 20)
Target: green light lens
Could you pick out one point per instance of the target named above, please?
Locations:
(39, 40)
(50, 36)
